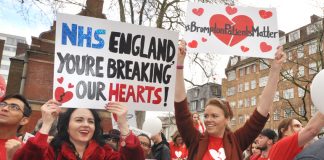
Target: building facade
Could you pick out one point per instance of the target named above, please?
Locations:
(247, 77)
(9, 51)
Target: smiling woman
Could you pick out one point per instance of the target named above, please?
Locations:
(79, 136)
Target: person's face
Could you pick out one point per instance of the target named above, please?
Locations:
(195, 117)
(179, 140)
(13, 114)
(215, 120)
(262, 141)
(81, 126)
(254, 148)
(296, 126)
(145, 144)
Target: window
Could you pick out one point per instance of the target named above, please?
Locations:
(233, 104)
(240, 87)
(276, 115)
(294, 36)
(300, 51)
(289, 55)
(301, 72)
(11, 41)
(301, 111)
(241, 119)
(247, 102)
(253, 68)
(231, 91)
(202, 104)
(193, 105)
(253, 84)
(264, 64)
(231, 75)
(240, 103)
(233, 121)
(241, 72)
(288, 112)
(313, 110)
(301, 92)
(234, 61)
(312, 48)
(263, 81)
(282, 40)
(11, 49)
(247, 70)
(288, 93)
(246, 86)
(314, 27)
(312, 68)
(276, 97)
(253, 101)
(288, 74)
(196, 92)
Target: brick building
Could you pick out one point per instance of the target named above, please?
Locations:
(31, 71)
(246, 77)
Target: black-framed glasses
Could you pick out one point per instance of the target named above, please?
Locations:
(12, 107)
(145, 144)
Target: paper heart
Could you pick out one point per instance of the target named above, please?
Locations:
(198, 11)
(115, 117)
(265, 47)
(265, 14)
(203, 39)
(245, 49)
(178, 154)
(220, 154)
(70, 85)
(62, 96)
(240, 22)
(193, 44)
(60, 80)
(231, 10)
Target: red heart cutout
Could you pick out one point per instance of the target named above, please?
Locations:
(62, 96)
(193, 44)
(198, 11)
(203, 39)
(265, 14)
(265, 47)
(71, 85)
(240, 22)
(115, 117)
(245, 49)
(60, 80)
(231, 10)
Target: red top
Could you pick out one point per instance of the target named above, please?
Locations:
(3, 153)
(215, 149)
(257, 157)
(286, 148)
(37, 148)
(178, 151)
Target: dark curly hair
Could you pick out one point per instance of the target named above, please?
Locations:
(62, 129)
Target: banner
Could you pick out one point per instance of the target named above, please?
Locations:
(231, 30)
(98, 61)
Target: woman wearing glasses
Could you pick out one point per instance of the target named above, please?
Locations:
(79, 136)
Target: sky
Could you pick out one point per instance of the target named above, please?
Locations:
(291, 14)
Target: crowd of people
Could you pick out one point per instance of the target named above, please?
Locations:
(76, 133)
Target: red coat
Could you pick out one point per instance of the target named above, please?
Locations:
(37, 148)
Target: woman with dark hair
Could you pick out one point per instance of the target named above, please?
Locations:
(218, 141)
(79, 136)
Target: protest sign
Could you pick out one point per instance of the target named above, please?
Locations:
(231, 30)
(98, 61)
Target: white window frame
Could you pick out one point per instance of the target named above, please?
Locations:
(293, 36)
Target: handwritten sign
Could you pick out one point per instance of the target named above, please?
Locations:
(231, 30)
(98, 61)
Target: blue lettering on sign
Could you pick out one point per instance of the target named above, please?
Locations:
(78, 35)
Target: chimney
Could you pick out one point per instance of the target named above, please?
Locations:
(21, 48)
(281, 33)
(314, 18)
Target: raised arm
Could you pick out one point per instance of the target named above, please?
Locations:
(268, 93)
(180, 89)
(312, 128)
